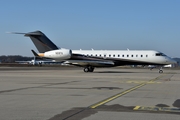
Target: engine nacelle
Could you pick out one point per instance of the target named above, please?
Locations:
(61, 54)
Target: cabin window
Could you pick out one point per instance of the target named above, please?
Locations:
(127, 55)
(131, 55)
(141, 55)
(109, 55)
(160, 54)
(118, 55)
(146, 55)
(104, 55)
(96, 55)
(136, 55)
(122, 55)
(113, 55)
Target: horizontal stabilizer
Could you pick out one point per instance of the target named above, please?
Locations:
(42, 43)
(15, 33)
(26, 34)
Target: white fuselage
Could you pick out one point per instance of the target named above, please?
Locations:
(149, 56)
(119, 57)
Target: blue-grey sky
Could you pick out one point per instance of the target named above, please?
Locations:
(97, 24)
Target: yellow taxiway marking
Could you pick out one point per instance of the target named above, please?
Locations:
(165, 109)
(116, 96)
(138, 82)
(137, 107)
(122, 93)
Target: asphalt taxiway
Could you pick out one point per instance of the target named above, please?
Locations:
(67, 93)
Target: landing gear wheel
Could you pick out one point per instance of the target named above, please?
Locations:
(86, 69)
(89, 69)
(160, 71)
(40, 64)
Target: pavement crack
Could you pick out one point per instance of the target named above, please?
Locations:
(51, 84)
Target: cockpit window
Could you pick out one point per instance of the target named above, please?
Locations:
(160, 54)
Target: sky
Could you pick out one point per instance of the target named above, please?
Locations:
(87, 24)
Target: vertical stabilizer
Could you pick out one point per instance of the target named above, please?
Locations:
(42, 43)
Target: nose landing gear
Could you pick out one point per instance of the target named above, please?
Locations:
(160, 70)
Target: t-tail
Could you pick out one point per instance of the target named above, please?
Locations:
(42, 43)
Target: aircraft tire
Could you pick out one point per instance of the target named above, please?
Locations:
(86, 69)
(160, 71)
(91, 70)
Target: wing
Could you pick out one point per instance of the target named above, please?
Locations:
(23, 61)
(95, 63)
(51, 62)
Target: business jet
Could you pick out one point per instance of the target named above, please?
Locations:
(38, 62)
(32, 62)
(90, 59)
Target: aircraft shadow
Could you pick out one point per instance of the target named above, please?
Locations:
(177, 103)
(113, 72)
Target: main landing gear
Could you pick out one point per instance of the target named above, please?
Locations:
(89, 69)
